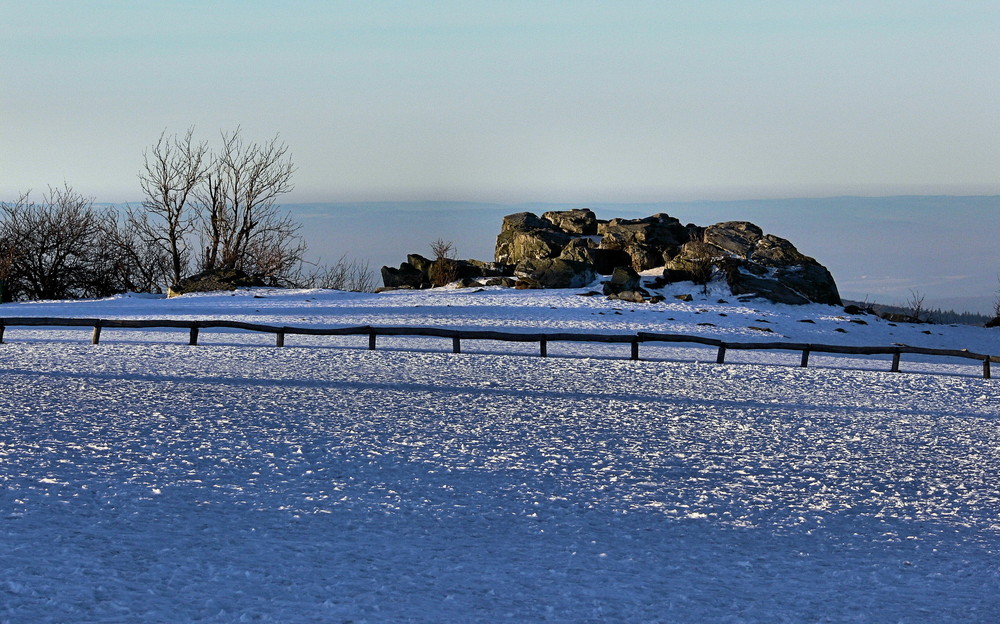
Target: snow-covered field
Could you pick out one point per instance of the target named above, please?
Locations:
(144, 480)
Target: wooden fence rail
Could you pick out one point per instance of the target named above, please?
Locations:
(457, 335)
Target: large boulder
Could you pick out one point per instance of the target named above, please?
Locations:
(649, 242)
(624, 279)
(524, 221)
(811, 280)
(746, 283)
(525, 236)
(769, 266)
(406, 276)
(554, 273)
(579, 250)
(738, 238)
(419, 263)
(216, 280)
(695, 262)
(579, 222)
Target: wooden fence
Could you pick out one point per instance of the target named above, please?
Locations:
(458, 335)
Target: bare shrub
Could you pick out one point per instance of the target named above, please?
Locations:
(444, 269)
(344, 274)
(441, 249)
(915, 307)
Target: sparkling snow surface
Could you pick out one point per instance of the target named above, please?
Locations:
(144, 480)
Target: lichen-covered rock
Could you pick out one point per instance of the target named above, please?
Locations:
(554, 273)
(579, 222)
(514, 246)
(579, 250)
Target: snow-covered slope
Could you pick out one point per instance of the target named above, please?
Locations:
(146, 480)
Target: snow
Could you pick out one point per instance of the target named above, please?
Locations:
(147, 480)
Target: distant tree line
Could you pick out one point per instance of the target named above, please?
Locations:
(203, 211)
(925, 315)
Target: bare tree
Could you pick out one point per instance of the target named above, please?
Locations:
(172, 170)
(240, 224)
(53, 250)
(915, 307)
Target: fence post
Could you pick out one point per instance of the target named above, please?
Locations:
(2, 328)
(635, 349)
(456, 345)
(721, 358)
(279, 340)
(371, 339)
(895, 362)
(543, 346)
(805, 358)
(95, 338)
(986, 367)
(193, 341)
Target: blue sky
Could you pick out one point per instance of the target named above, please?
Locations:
(515, 101)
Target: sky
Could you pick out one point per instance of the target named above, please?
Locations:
(515, 101)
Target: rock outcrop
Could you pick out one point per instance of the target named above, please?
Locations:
(754, 263)
(570, 248)
(648, 242)
(524, 236)
(216, 280)
(750, 261)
